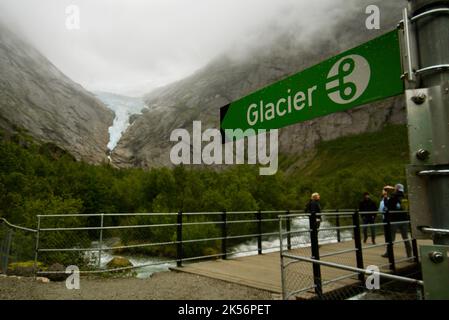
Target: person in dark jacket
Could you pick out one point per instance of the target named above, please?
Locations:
(399, 218)
(368, 211)
(314, 206)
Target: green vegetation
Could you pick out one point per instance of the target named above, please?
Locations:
(345, 168)
(43, 179)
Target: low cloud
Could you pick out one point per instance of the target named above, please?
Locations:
(131, 47)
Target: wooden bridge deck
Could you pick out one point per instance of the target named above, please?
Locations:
(263, 271)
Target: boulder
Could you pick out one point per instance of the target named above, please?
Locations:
(42, 280)
(119, 262)
(60, 276)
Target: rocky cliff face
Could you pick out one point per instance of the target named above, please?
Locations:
(199, 97)
(36, 96)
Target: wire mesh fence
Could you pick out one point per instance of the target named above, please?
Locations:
(328, 258)
(16, 249)
(91, 242)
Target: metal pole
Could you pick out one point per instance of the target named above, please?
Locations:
(2, 253)
(349, 268)
(315, 254)
(358, 244)
(414, 245)
(100, 242)
(36, 253)
(259, 232)
(179, 240)
(281, 250)
(7, 251)
(288, 228)
(337, 222)
(432, 32)
(224, 235)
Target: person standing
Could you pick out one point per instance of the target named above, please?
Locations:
(383, 204)
(398, 218)
(314, 207)
(368, 210)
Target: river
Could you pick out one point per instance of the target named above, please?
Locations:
(270, 244)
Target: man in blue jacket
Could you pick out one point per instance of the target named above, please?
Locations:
(399, 218)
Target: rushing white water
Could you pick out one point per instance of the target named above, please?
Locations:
(150, 264)
(123, 107)
(272, 244)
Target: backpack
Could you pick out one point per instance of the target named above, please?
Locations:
(307, 208)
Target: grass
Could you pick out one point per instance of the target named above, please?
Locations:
(373, 151)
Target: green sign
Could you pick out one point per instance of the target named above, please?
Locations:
(358, 76)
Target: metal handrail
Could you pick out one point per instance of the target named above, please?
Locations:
(155, 214)
(17, 227)
(292, 215)
(429, 12)
(354, 269)
(317, 257)
(433, 230)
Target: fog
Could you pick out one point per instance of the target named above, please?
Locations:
(130, 47)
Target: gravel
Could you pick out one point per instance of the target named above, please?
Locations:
(161, 286)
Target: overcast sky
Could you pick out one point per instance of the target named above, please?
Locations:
(133, 46)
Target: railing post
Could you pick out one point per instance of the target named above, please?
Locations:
(315, 255)
(337, 222)
(36, 252)
(6, 251)
(415, 250)
(281, 251)
(224, 235)
(414, 244)
(288, 228)
(100, 241)
(358, 244)
(259, 231)
(389, 241)
(179, 254)
(2, 253)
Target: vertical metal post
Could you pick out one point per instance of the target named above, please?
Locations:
(179, 254)
(337, 222)
(259, 231)
(36, 252)
(415, 250)
(100, 242)
(281, 251)
(358, 244)
(432, 33)
(2, 252)
(7, 251)
(315, 255)
(414, 243)
(389, 241)
(288, 229)
(224, 235)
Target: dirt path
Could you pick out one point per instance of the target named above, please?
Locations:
(161, 286)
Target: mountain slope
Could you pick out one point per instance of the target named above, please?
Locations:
(36, 96)
(227, 78)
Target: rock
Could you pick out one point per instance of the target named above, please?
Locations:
(119, 262)
(37, 97)
(199, 97)
(42, 280)
(59, 276)
(211, 252)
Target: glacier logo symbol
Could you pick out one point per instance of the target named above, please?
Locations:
(348, 79)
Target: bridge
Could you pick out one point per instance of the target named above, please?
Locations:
(283, 252)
